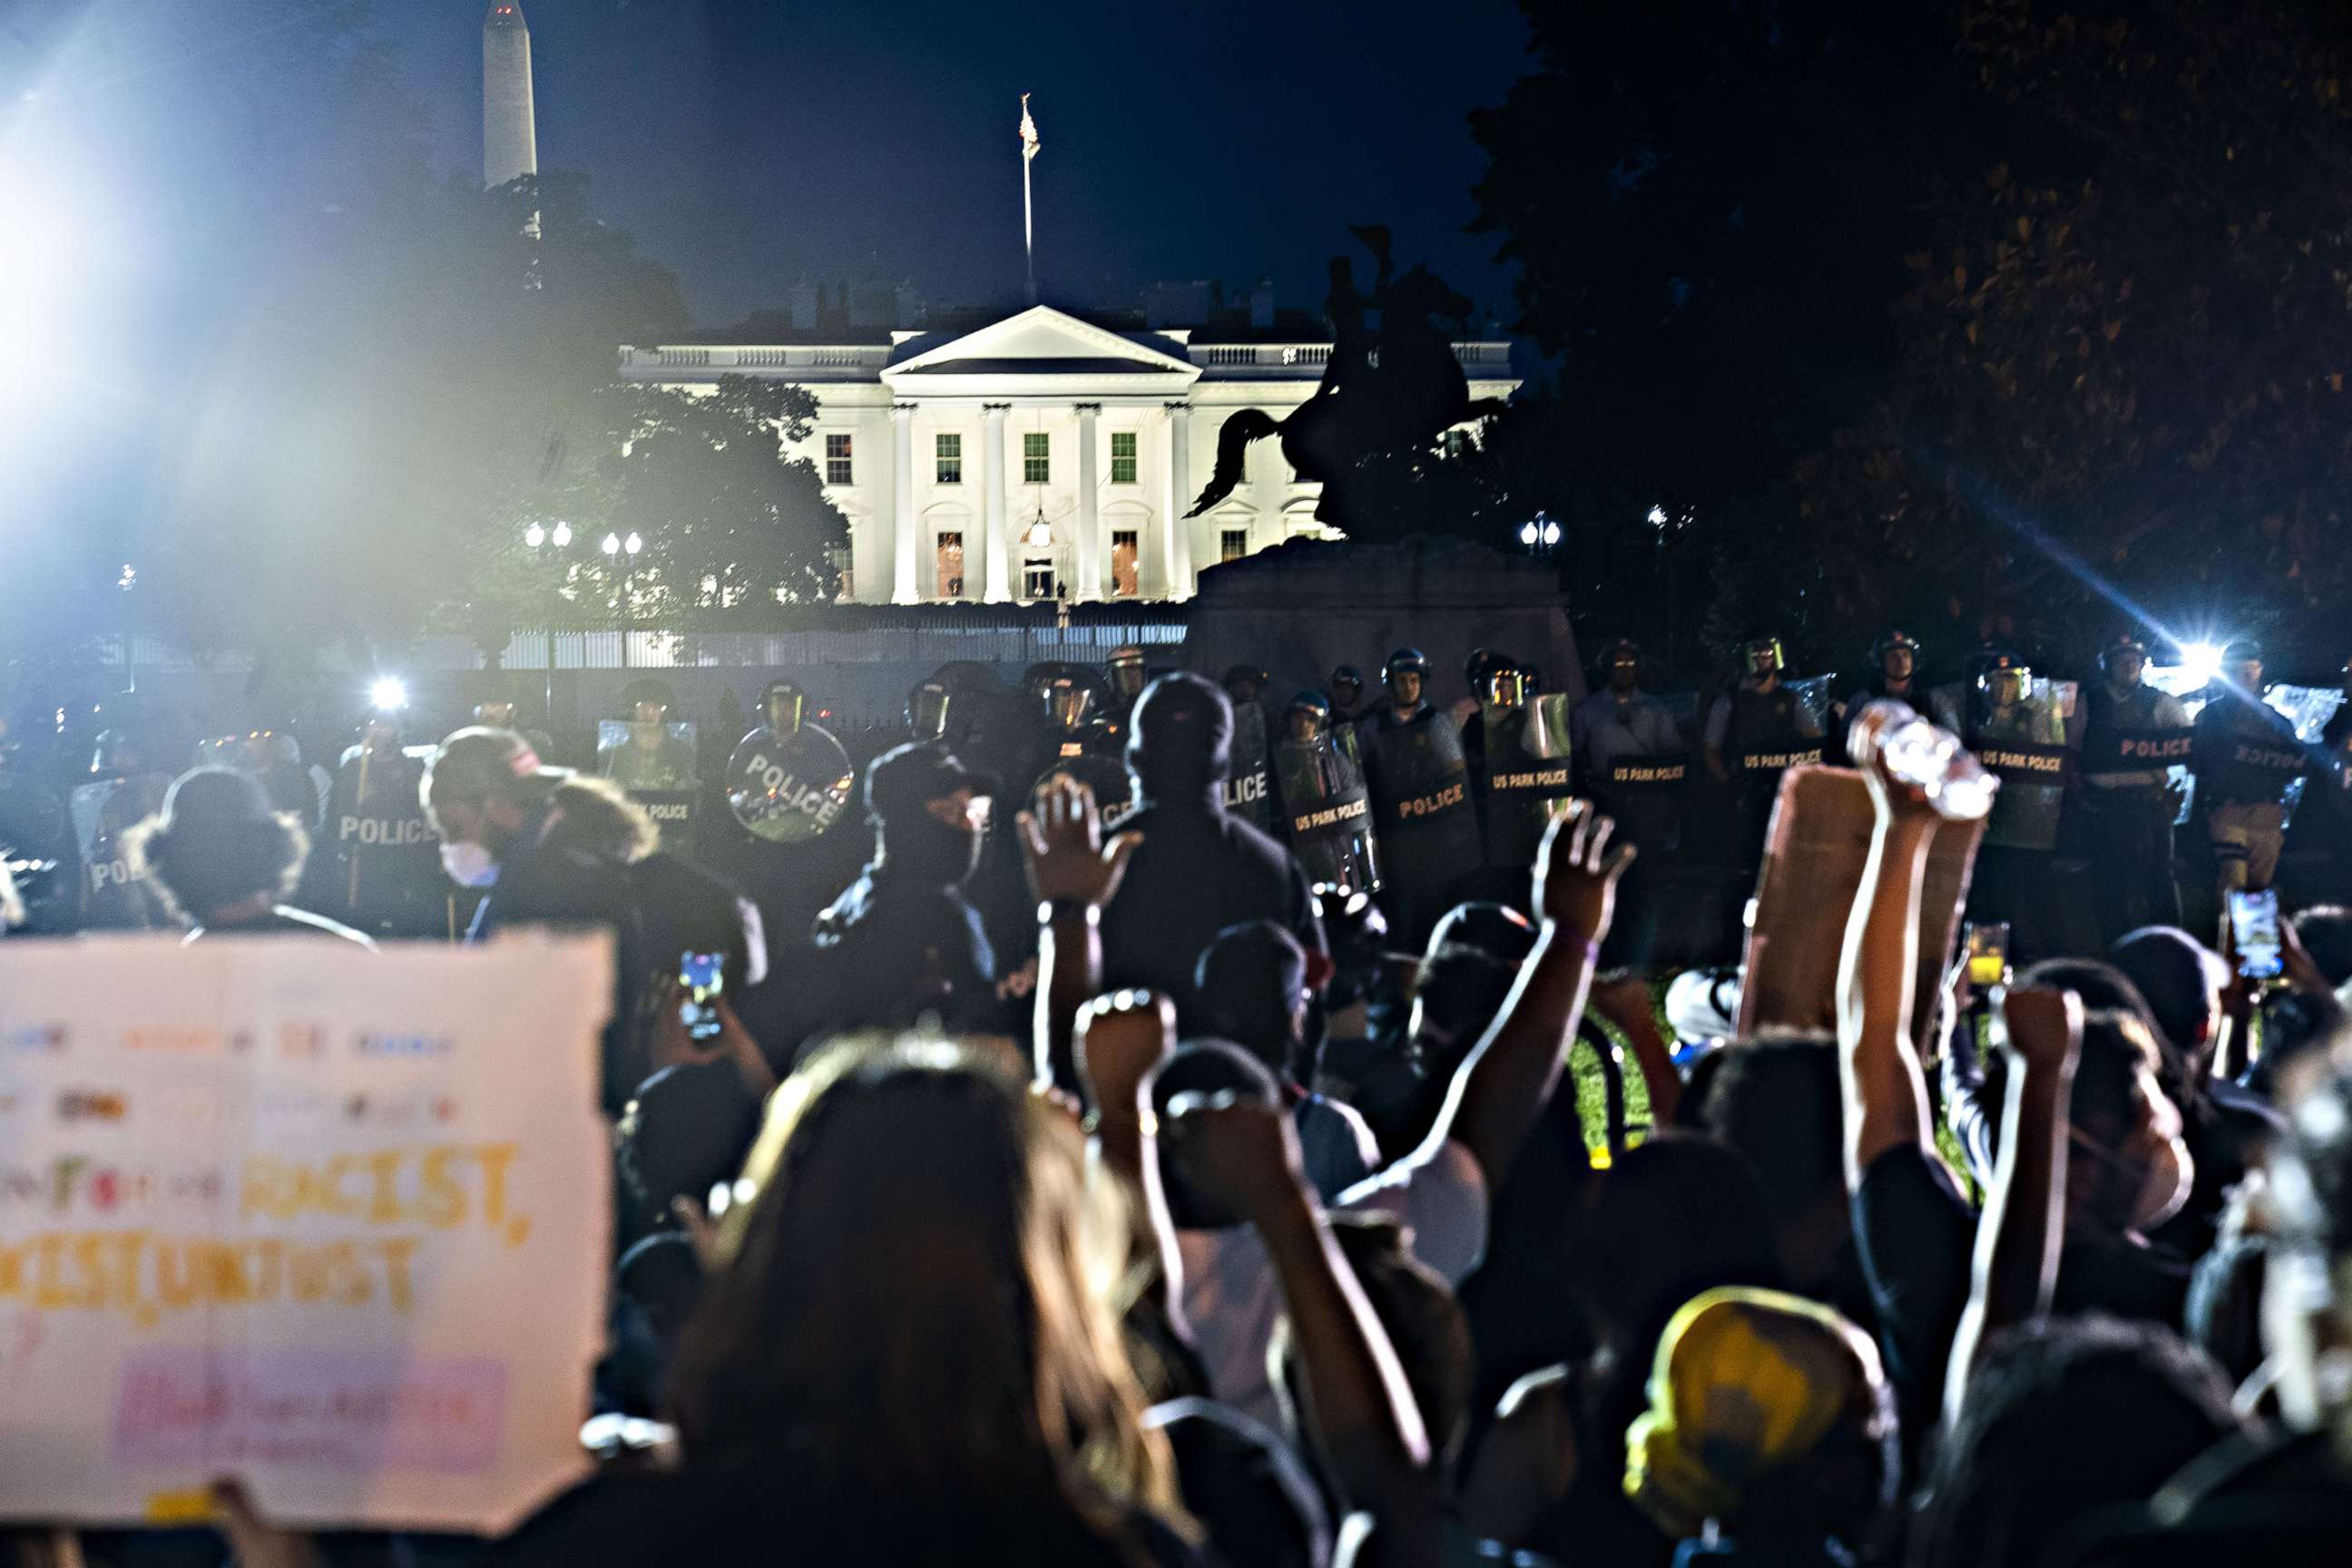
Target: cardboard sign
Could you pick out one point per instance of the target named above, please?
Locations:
(1813, 856)
(331, 1223)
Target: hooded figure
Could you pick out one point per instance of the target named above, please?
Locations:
(1199, 868)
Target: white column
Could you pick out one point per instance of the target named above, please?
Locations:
(902, 504)
(1177, 544)
(992, 475)
(1090, 551)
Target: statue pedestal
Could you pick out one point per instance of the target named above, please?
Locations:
(1308, 605)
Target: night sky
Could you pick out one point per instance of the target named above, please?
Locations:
(746, 143)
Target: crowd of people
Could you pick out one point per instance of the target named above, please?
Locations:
(1168, 1160)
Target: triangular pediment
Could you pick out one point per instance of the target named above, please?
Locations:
(1040, 341)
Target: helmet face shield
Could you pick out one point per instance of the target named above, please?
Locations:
(1126, 672)
(1069, 704)
(1507, 688)
(784, 706)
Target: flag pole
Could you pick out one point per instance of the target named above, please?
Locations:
(1028, 218)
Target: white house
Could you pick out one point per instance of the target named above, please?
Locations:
(1040, 454)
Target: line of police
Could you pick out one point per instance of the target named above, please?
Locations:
(1381, 794)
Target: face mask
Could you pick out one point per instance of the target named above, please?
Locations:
(469, 865)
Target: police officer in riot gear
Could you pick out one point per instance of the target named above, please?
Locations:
(648, 758)
(1346, 692)
(1082, 745)
(1420, 787)
(1249, 791)
(2322, 844)
(928, 705)
(1756, 732)
(1326, 808)
(1631, 752)
(377, 866)
(2127, 736)
(36, 841)
(1893, 675)
(126, 786)
(2246, 756)
(2019, 735)
(1127, 677)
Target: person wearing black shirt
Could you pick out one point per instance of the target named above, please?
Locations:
(1199, 867)
(2245, 754)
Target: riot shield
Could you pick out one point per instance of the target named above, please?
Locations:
(789, 789)
(36, 841)
(1527, 780)
(2308, 709)
(1796, 741)
(117, 895)
(2024, 742)
(1420, 804)
(1249, 791)
(382, 871)
(1635, 760)
(654, 763)
(1326, 812)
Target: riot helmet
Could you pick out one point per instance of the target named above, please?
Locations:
(1306, 715)
(649, 701)
(2242, 664)
(783, 707)
(1482, 663)
(1406, 675)
(1761, 655)
(1506, 686)
(1070, 703)
(2122, 657)
(2002, 679)
(1620, 665)
(1242, 682)
(1896, 647)
(927, 711)
(1125, 667)
(1347, 689)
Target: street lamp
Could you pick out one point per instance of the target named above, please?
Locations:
(634, 543)
(612, 545)
(534, 536)
(1541, 534)
(562, 533)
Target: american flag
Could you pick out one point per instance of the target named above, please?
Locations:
(1028, 130)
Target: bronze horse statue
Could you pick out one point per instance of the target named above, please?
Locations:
(1392, 386)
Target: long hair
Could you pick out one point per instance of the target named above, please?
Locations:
(595, 814)
(917, 1297)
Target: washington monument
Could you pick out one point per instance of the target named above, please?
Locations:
(509, 142)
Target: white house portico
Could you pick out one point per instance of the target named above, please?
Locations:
(1040, 455)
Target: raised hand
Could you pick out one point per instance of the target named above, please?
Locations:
(1120, 1038)
(1576, 871)
(1062, 847)
(1241, 1154)
(2044, 1025)
(1893, 797)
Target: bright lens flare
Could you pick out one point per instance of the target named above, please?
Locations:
(388, 694)
(2202, 660)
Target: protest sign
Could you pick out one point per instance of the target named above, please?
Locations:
(329, 1222)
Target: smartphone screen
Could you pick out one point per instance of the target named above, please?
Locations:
(701, 976)
(1988, 947)
(2254, 931)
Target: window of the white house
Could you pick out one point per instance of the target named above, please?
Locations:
(949, 449)
(838, 469)
(1235, 543)
(1122, 457)
(1037, 457)
(1038, 579)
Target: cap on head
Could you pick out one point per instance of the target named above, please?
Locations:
(1182, 734)
(904, 780)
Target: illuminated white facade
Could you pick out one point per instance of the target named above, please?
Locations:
(1041, 456)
